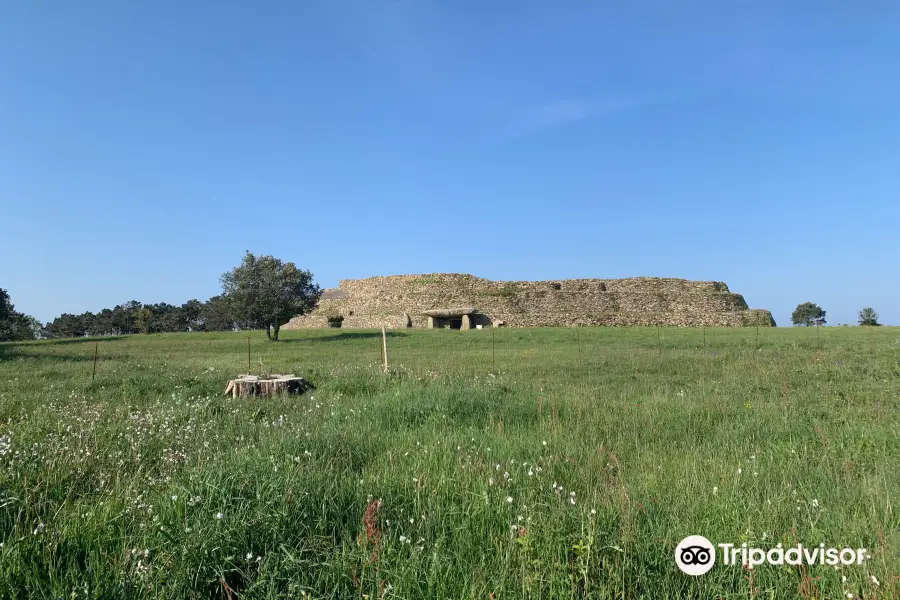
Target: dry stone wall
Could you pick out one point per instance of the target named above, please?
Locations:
(396, 300)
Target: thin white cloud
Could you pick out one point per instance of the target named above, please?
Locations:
(558, 114)
(554, 114)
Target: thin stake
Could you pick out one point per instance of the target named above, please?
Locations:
(757, 336)
(578, 339)
(384, 345)
(658, 341)
(248, 355)
(493, 353)
(872, 350)
(704, 336)
(94, 374)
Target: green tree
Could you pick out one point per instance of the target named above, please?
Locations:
(123, 317)
(191, 315)
(265, 292)
(7, 316)
(868, 316)
(15, 326)
(216, 315)
(143, 319)
(66, 325)
(808, 314)
(103, 323)
(164, 317)
(32, 329)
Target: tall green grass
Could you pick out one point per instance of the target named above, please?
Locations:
(570, 468)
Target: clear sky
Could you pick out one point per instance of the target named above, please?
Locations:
(144, 146)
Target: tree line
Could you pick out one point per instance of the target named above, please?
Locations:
(134, 317)
(262, 292)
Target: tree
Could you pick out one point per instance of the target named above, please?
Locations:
(164, 317)
(191, 315)
(868, 316)
(142, 317)
(123, 317)
(7, 316)
(103, 322)
(808, 314)
(67, 325)
(216, 315)
(16, 326)
(266, 292)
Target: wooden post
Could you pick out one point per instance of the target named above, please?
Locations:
(578, 341)
(872, 350)
(704, 336)
(658, 341)
(94, 374)
(757, 336)
(248, 355)
(384, 346)
(493, 353)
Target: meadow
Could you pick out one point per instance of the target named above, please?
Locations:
(545, 463)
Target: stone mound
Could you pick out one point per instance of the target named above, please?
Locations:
(412, 300)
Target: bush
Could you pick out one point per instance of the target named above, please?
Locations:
(868, 316)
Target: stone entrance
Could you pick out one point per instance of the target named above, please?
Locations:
(452, 318)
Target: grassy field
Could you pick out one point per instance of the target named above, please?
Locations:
(570, 468)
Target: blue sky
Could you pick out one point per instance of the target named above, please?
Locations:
(145, 146)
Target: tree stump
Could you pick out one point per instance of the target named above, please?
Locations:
(271, 385)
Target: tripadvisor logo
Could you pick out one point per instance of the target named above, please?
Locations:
(696, 555)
